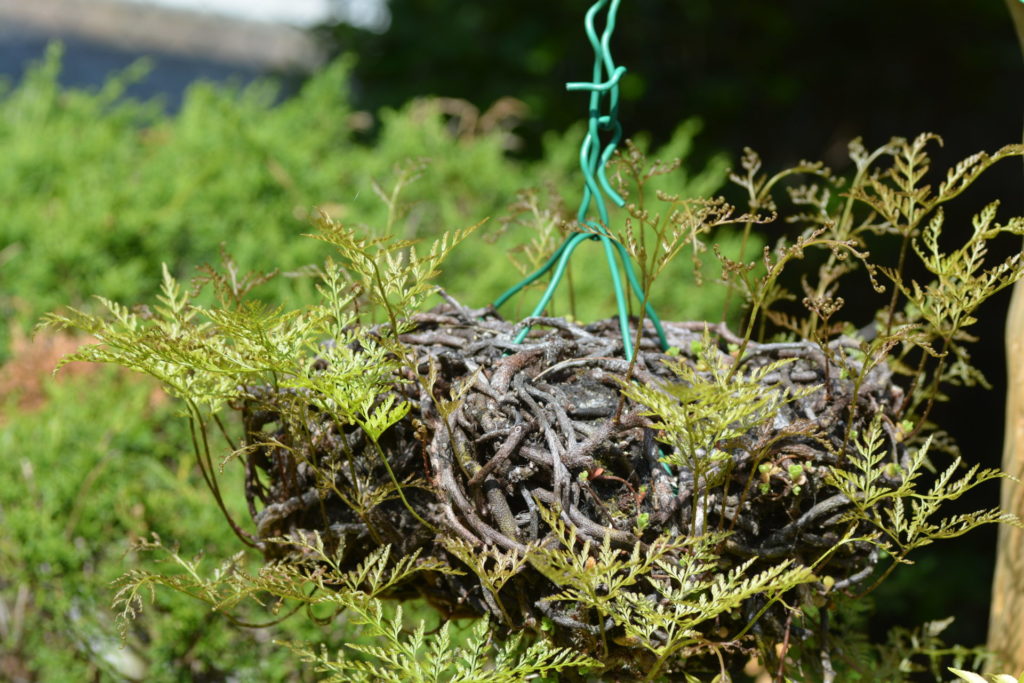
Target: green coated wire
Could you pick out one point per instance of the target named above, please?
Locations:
(593, 160)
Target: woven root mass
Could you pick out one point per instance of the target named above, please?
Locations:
(534, 418)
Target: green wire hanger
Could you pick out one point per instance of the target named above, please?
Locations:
(593, 159)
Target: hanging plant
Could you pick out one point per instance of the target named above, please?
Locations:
(631, 497)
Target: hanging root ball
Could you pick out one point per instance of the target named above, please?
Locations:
(503, 439)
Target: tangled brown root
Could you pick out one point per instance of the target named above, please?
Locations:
(498, 430)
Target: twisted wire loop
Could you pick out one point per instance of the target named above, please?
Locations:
(602, 120)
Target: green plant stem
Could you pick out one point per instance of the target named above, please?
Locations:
(932, 390)
(398, 487)
(224, 433)
(878, 582)
(901, 263)
(206, 469)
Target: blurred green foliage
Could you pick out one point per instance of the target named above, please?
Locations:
(82, 479)
(97, 190)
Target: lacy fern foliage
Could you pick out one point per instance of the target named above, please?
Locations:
(847, 449)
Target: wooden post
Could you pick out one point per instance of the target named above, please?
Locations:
(1006, 620)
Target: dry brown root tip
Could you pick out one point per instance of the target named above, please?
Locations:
(535, 428)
